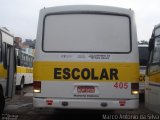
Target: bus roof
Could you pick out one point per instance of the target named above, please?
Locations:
(87, 8)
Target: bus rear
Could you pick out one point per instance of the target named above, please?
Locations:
(86, 58)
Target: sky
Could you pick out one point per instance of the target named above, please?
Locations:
(21, 16)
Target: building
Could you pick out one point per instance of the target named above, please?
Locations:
(28, 45)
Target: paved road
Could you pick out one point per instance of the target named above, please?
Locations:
(21, 108)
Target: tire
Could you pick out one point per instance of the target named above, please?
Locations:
(2, 101)
(21, 86)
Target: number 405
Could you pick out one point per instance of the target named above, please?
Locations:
(121, 85)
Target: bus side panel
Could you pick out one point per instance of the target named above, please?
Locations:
(25, 72)
(152, 93)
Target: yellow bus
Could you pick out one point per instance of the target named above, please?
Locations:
(86, 58)
(24, 74)
(7, 67)
(152, 93)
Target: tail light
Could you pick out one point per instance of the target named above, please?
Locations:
(134, 88)
(37, 86)
(122, 102)
(49, 102)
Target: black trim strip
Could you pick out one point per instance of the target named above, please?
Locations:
(151, 74)
(91, 98)
(87, 12)
(152, 84)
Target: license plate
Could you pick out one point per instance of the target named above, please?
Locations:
(85, 89)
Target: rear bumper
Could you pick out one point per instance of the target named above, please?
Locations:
(85, 103)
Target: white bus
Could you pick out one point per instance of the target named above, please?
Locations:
(152, 93)
(7, 67)
(143, 61)
(24, 68)
(86, 58)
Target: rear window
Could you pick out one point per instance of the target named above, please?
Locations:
(87, 33)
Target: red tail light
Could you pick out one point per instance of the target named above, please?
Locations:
(122, 102)
(49, 102)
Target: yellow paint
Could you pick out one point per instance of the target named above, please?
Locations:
(127, 72)
(24, 69)
(3, 72)
(155, 77)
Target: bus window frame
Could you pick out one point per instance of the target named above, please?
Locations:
(151, 53)
(87, 12)
(25, 59)
(4, 47)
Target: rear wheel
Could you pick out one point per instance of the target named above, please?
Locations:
(2, 100)
(21, 86)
